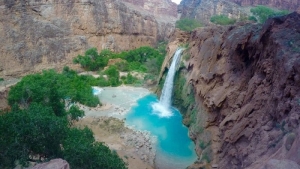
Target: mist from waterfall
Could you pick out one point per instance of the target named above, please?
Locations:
(162, 108)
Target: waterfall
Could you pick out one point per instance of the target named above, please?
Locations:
(163, 107)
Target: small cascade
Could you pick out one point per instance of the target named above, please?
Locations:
(163, 107)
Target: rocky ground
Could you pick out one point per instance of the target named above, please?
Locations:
(134, 147)
(107, 122)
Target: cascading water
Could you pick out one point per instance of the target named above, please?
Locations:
(174, 149)
(163, 107)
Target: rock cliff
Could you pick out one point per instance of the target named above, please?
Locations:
(292, 5)
(203, 10)
(246, 82)
(41, 34)
(156, 7)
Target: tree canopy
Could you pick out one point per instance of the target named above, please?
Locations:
(39, 127)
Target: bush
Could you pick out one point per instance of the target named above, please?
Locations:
(186, 24)
(263, 12)
(1, 79)
(252, 18)
(222, 20)
(92, 60)
(130, 79)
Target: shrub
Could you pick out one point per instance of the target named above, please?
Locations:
(1, 79)
(186, 24)
(222, 20)
(252, 18)
(92, 60)
(263, 12)
(130, 79)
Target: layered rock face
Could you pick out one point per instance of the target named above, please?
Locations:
(41, 34)
(203, 10)
(156, 7)
(246, 80)
(292, 5)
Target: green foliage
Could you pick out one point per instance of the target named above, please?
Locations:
(33, 131)
(92, 60)
(252, 18)
(75, 113)
(130, 79)
(263, 12)
(82, 152)
(186, 24)
(37, 128)
(144, 59)
(50, 89)
(1, 79)
(123, 66)
(113, 75)
(222, 20)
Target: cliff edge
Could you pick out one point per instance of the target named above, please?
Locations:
(246, 83)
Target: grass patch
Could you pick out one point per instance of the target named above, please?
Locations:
(262, 13)
(222, 20)
(188, 25)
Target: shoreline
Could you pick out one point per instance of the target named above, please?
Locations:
(136, 148)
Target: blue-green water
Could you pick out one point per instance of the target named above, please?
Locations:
(174, 148)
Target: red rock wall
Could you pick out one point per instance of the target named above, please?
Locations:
(248, 81)
(157, 7)
(292, 5)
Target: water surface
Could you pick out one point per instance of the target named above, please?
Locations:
(174, 148)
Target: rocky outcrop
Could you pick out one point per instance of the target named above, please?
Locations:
(156, 7)
(53, 164)
(41, 34)
(203, 10)
(292, 5)
(246, 83)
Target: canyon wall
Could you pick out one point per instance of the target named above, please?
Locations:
(42, 34)
(203, 10)
(292, 5)
(156, 7)
(245, 80)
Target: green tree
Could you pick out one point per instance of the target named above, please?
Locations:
(82, 152)
(75, 113)
(186, 24)
(92, 60)
(31, 132)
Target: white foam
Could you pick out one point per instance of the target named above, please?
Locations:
(161, 110)
(97, 90)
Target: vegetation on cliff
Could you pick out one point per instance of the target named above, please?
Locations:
(222, 20)
(263, 13)
(39, 126)
(187, 24)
